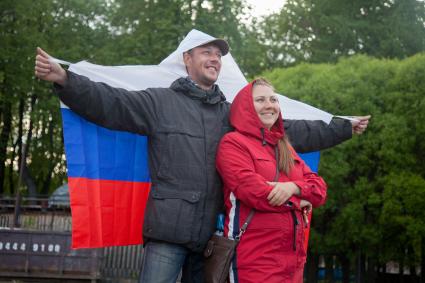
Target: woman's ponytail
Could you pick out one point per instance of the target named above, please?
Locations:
(286, 160)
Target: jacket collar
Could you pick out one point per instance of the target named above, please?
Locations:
(192, 90)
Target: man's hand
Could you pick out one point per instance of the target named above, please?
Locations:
(48, 70)
(281, 192)
(360, 123)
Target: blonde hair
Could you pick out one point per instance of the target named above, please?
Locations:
(286, 160)
(263, 82)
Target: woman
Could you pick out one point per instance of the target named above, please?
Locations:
(272, 248)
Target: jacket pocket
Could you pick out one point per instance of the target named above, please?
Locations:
(170, 214)
(265, 166)
(180, 156)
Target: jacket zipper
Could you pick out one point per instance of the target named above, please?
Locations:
(296, 223)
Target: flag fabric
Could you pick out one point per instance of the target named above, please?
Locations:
(108, 171)
(108, 182)
(312, 160)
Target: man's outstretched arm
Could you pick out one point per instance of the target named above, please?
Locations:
(110, 107)
(307, 136)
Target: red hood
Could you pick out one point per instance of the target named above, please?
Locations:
(245, 120)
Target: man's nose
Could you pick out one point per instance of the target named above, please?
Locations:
(215, 57)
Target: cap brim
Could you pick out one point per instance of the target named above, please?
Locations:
(222, 45)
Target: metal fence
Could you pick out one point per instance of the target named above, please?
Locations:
(121, 262)
(59, 221)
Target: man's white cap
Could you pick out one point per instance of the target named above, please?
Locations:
(221, 44)
(197, 38)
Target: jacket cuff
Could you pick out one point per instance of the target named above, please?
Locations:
(58, 88)
(295, 200)
(305, 189)
(345, 131)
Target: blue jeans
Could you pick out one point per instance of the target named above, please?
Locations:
(162, 263)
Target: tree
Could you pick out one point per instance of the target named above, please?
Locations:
(376, 182)
(30, 112)
(323, 31)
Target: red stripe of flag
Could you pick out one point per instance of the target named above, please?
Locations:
(107, 213)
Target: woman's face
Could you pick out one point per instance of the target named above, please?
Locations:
(266, 104)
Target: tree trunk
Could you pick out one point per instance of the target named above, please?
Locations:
(312, 267)
(345, 264)
(4, 137)
(11, 171)
(29, 181)
(26, 175)
(412, 271)
(412, 268)
(401, 271)
(329, 265)
(48, 178)
(381, 272)
(20, 135)
(360, 269)
(371, 273)
(422, 275)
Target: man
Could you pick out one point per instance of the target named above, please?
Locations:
(184, 124)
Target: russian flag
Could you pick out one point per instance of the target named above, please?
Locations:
(108, 171)
(108, 181)
(312, 160)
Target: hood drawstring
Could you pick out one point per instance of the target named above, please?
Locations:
(262, 137)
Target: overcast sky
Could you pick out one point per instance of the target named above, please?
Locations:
(264, 7)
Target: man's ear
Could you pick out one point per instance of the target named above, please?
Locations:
(186, 57)
(186, 60)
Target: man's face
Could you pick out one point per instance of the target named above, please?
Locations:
(203, 64)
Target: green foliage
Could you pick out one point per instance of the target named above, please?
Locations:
(376, 183)
(24, 26)
(402, 215)
(323, 31)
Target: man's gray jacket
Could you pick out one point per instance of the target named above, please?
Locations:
(184, 125)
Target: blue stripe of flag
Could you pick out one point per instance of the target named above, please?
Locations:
(95, 152)
(311, 159)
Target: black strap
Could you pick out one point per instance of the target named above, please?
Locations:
(243, 228)
(251, 213)
(295, 221)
